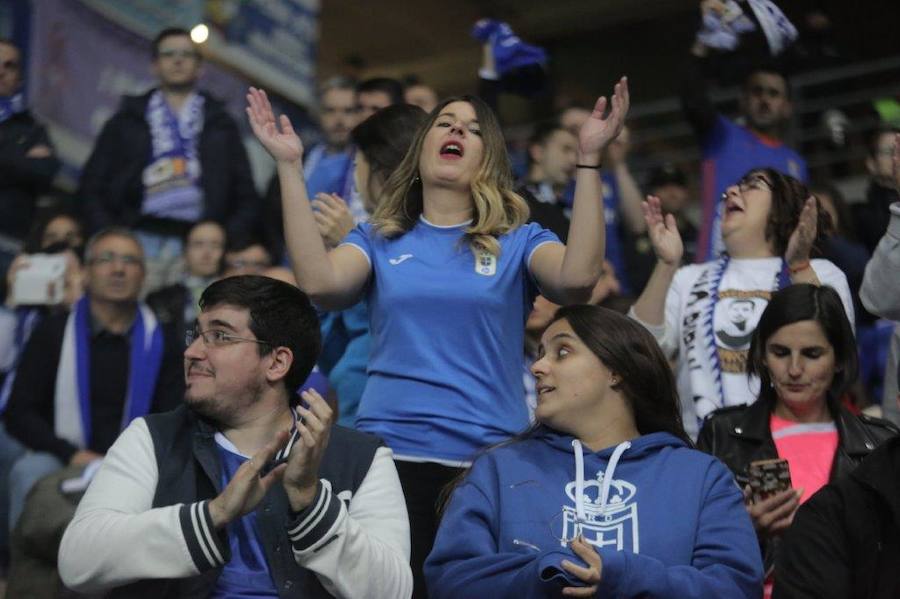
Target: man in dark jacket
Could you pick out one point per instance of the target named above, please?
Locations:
(845, 541)
(27, 160)
(169, 158)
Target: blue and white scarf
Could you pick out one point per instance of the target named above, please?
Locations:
(11, 106)
(172, 179)
(702, 353)
(72, 405)
(723, 31)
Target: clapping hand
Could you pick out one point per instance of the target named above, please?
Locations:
(247, 487)
(301, 479)
(284, 145)
(663, 232)
(598, 132)
(332, 217)
(801, 241)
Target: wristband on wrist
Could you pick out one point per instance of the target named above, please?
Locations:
(799, 268)
(591, 166)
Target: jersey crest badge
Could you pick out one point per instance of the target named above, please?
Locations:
(485, 263)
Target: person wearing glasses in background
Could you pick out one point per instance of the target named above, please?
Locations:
(84, 375)
(703, 315)
(246, 489)
(167, 159)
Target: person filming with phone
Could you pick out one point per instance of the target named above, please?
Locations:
(804, 353)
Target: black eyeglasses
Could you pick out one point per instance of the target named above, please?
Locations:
(754, 182)
(216, 338)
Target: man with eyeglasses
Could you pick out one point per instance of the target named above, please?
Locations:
(85, 375)
(167, 159)
(27, 159)
(731, 147)
(245, 490)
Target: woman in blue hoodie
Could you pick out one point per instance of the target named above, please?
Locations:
(604, 496)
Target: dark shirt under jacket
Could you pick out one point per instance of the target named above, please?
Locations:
(30, 415)
(22, 178)
(549, 216)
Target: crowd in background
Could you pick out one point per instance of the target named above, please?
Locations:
(764, 300)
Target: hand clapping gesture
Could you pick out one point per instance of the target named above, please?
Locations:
(332, 217)
(247, 487)
(804, 236)
(663, 232)
(598, 132)
(284, 145)
(301, 478)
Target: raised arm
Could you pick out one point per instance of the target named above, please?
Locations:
(880, 291)
(666, 241)
(335, 279)
(567, 274)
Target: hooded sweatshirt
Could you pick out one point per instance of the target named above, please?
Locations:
(666, 520)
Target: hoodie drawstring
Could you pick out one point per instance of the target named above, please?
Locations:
(607, 477)
(579, 481)
(610, 470)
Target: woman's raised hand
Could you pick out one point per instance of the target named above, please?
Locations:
(663, 232)
(801, 241)
(598, 132)
(283, 145)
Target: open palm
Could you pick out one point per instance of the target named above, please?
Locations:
(801, 241)
(663, 232)
(284, 145)
(598, 132)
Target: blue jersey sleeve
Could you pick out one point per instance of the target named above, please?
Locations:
(536, 236)
(360, 237)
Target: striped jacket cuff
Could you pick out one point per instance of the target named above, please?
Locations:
(312, 524)
(208, 548)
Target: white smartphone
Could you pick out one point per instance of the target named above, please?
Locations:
(41, 282)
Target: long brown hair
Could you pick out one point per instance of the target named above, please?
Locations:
(496, 208)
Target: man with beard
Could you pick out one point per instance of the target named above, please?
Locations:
(246, 489)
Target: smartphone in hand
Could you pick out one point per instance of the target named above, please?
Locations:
(768, 477)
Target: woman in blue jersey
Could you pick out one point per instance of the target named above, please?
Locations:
(449, 270)
(603, 496)
(703, 315)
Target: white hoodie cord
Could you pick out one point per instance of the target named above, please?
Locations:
(579, 481)
(607, 477)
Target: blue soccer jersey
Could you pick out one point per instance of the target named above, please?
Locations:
(447, 329)
(729, 151)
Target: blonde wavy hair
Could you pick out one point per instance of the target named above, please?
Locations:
(496, 208)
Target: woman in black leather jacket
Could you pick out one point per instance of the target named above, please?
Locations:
(804, 353)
